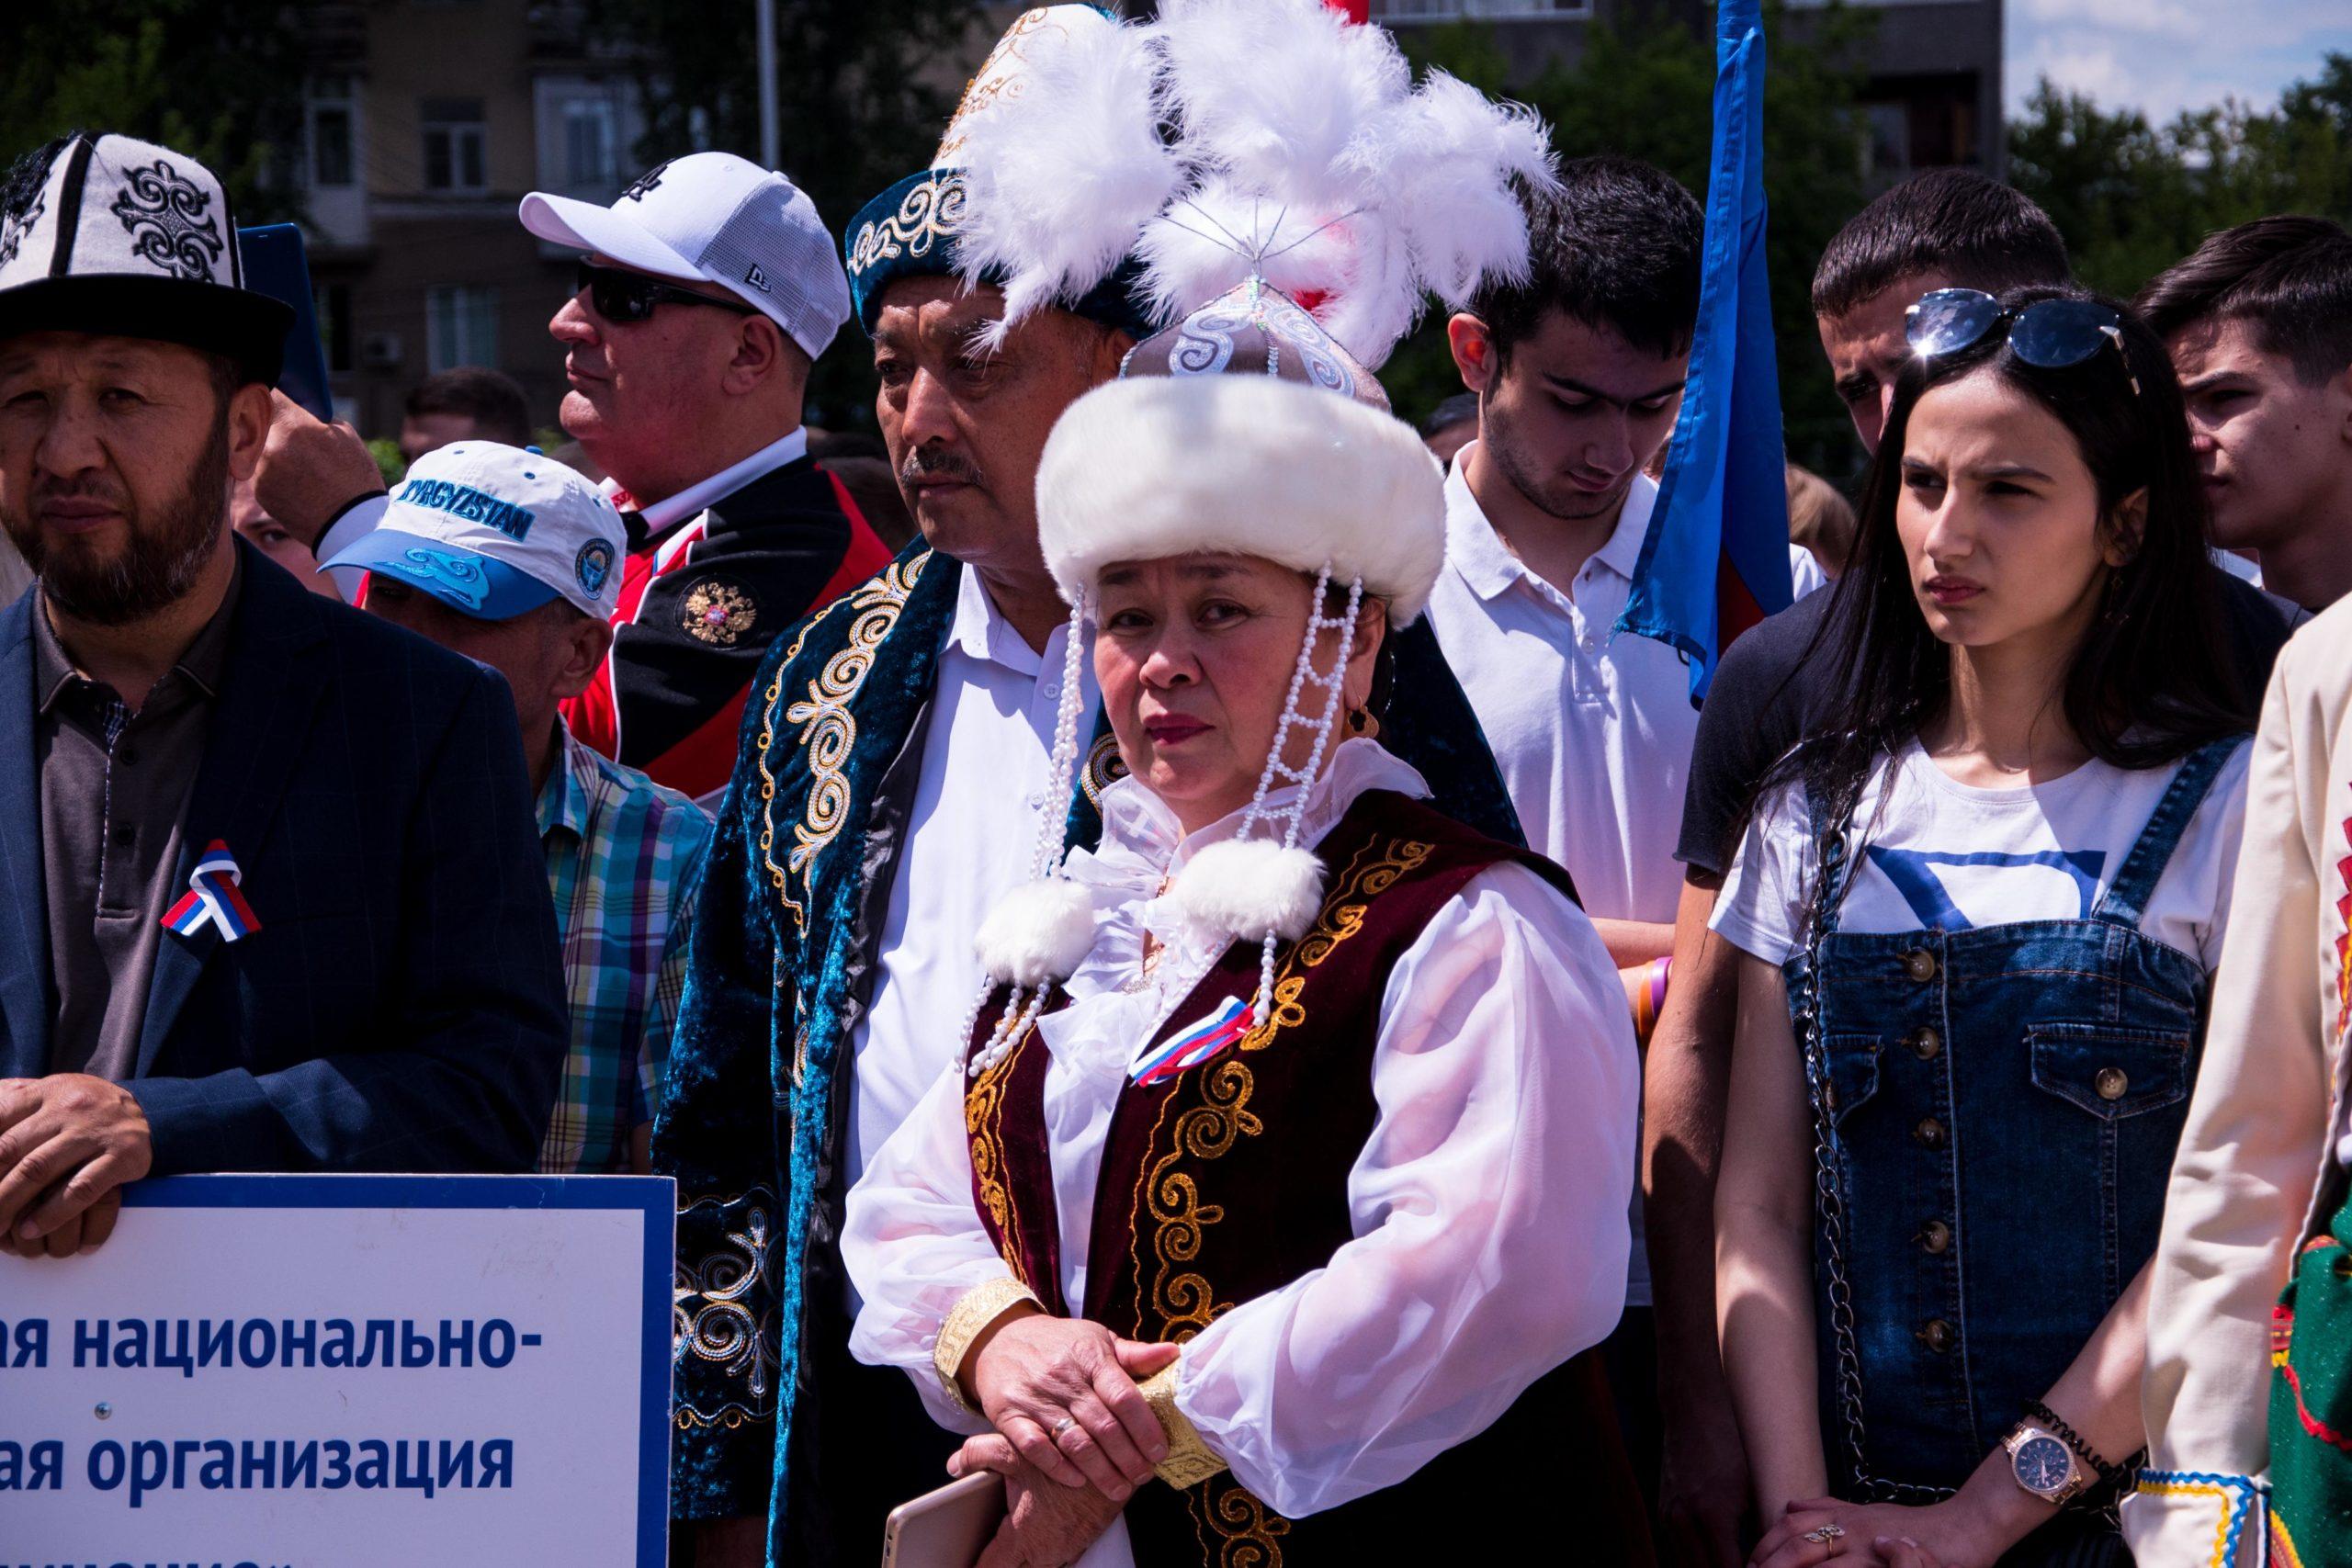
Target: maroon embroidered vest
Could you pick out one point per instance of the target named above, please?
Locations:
(1229, 1180)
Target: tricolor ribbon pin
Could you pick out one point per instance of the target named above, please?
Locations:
(1191, 1047)
(213, 895)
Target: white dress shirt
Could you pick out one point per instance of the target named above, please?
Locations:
(1487, 1207)
(987, 759)
(1592, 731)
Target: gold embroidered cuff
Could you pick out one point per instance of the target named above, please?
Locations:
(973, 1311)
(1188, 1460)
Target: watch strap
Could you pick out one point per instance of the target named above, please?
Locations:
(2041, 1416)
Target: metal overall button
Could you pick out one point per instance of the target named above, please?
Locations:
(1936, 1236)
(1925, 1043)
(1929, 1132)
(1920, 965)
(1937, 1335)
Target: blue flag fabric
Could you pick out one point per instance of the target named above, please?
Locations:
(1716, 561)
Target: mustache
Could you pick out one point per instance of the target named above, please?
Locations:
(938, 463)
(86, 487)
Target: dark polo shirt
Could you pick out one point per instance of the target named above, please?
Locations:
(114, 788)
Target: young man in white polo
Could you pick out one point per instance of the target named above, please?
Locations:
(509, 557)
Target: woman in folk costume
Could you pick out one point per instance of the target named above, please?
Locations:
(1296, 1103)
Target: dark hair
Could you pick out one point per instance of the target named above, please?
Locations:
(492, 399)
(2290, 276)
(1616, 246)
(1460, 409)
(1975, 231)
(2149, 683)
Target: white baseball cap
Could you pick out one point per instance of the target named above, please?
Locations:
(712, 217)
(495, 531)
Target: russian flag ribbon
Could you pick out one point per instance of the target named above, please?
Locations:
(1191, 1047)
(214, 896)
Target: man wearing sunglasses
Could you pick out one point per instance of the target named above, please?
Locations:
(702, 296)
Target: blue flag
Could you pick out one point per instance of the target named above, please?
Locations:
(1716, 561)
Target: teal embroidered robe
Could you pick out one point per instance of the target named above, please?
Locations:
(784, 947)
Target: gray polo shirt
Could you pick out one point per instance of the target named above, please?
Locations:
(114, 789)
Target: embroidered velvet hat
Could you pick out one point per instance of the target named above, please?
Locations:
(1044, 155)
(123, 238)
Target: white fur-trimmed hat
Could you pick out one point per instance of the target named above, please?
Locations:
(1160, 466)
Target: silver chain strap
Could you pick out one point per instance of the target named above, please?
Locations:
(1828, 1197)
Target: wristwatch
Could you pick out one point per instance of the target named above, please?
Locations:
(2044, 1465)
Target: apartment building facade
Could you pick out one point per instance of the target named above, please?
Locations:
(425, 122)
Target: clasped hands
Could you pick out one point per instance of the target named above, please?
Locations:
(1074, 1437)
(68, 1143)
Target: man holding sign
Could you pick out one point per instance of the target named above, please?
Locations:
(270, 893)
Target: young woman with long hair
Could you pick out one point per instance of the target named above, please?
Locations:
(1980, 914)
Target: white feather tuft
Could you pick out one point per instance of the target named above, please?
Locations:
(1274, 93)
(1064, 174)
(1243, 888)
(1447, 177)
(1037, 934)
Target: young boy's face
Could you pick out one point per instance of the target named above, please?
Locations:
(2275, 450)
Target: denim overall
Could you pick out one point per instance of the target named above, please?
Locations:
(1994, 1114)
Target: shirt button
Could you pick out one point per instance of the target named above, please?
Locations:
(1937, 1335)
(1925, 1044)
(1051, 688)
(128, 756)
(1920, 965)
(123, 837)
(1936, 1236)
(2111, 1083)
(1929, 1132)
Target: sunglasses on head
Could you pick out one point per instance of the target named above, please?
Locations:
(2050, 334)
(626, 297)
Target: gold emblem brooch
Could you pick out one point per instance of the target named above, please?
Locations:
(719, 613)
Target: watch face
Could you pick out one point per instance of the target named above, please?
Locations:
(2043, 1465)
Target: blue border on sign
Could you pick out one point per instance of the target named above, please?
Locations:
(653, 1197)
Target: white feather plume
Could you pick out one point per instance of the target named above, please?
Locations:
(1318, 164)
(1064, 174)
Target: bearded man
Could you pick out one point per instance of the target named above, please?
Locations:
(274, 896)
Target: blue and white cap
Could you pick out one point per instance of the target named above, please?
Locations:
(493, 531)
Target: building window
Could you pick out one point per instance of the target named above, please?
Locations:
(591, 153)
(453, 156)
(1456, 10)
(329, 111)
(332, 302)
(460, 327)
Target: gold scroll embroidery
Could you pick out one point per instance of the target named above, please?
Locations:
(827, 729)
(711, 1317)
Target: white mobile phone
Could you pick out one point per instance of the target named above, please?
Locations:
(947, 1528)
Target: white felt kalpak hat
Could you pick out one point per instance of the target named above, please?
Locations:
(1164, 466)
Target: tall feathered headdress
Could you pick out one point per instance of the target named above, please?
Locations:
(1233, 142)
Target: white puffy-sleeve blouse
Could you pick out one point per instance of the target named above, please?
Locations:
(1488, 1206)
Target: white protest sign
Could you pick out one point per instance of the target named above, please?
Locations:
(344, 1371)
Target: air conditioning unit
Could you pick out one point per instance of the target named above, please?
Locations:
(381, 351)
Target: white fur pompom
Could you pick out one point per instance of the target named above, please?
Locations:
(1244, 888)
(1037, 933)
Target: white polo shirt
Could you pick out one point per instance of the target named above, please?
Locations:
(1591, 729)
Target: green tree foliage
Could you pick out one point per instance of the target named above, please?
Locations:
(1643, 87)
(221, 80)
(864, 88)
(2132, 198)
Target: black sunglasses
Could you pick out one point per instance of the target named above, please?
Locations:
(2049, 333)
(626, 297)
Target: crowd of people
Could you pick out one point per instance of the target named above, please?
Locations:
(1173, 952)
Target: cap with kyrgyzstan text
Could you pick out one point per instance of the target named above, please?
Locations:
(715, 217)
(494, 531)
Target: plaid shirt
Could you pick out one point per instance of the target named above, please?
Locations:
(624, 857)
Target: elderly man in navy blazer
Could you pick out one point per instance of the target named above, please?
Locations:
(271, 891)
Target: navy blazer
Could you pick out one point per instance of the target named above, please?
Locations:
(401, 1006)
